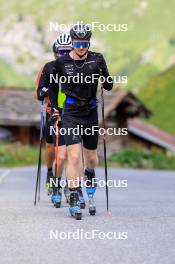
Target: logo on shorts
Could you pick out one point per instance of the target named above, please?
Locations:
(76, 138)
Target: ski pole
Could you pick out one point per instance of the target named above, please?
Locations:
(104, 148)
(82, 157)
(38, 178)
(41, 140)
(56, 148)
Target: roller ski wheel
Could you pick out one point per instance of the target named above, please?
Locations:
(75, 209)
(77, 215)
(56, 200)
(49, 192)
(81, 198)
(57, 204)
(82, 204)
(92, 207)
(67, 200)
(67, 194)
(92, 210)
(49, 189)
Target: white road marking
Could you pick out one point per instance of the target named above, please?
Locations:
(3, 175)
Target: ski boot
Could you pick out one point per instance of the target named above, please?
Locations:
(48, 185)
(67, 193)
(56, 198)
(74, 209)
(57, 193)
(81, 198)
(90, 190)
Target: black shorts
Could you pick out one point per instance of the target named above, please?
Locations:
(48, 136)
(84, 132)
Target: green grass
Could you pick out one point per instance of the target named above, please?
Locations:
(15, 154)
(138, 158)
(8, 77)
(158, 94)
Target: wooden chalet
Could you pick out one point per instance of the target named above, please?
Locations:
(20, 114)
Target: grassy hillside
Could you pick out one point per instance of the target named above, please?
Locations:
(146, 48)
(8, 77)
(159, 96)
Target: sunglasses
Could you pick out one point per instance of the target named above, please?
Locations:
(78, 44)
(63, 51)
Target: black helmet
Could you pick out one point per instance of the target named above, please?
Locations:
(80, 31)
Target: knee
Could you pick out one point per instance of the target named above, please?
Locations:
(62, 155)
(92, 161)
(74, 158)
(50, 148)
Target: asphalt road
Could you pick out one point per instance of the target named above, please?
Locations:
(142, 222)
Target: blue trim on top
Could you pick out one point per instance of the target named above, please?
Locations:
(71, 101)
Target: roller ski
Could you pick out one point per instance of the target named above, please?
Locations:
(56, 198)
(57, 195)
(49, 188)
(74, 208)
(81, 198)
(67, 194)
(90, 190)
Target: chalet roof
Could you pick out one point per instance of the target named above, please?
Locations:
(125, 102)
(18, 106)
(151, 133)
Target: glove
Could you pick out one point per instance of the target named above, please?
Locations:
(42, 93)
(55, 117)
(101, 62)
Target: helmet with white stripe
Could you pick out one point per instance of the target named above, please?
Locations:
(64, 40)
